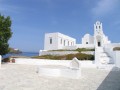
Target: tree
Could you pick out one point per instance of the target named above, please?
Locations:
(5, 34)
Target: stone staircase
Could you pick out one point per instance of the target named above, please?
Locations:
(105, 61)
(103, 56)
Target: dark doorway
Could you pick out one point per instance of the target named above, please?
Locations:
(99, 44)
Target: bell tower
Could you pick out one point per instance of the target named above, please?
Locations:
(98, 30)
(98, 34)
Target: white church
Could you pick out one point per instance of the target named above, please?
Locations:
(104, 53)
(55, 41)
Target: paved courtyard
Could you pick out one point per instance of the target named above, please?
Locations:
(24, 77)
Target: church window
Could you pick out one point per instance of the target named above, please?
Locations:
(64, 42)
(73, 43)
(50, 40)
(68, 43)
(61, 41)
(96, 27)
(86, 42)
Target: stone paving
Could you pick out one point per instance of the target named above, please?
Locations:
(24, 77)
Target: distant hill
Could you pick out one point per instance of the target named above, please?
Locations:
(13, 50)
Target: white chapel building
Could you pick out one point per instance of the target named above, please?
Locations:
(104, 53)
(55, 41)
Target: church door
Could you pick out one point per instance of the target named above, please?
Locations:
(99, 44)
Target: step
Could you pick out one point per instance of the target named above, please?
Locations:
(106, 66)
(103, 54)
(111, 61)
(105, 57)
(100, 49)
(105, 60)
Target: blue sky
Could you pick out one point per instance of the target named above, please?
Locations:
(31, 19)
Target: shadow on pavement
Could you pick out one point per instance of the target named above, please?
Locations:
(112, 81)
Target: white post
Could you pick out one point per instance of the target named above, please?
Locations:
(97, 57)
(0, 60)
(40, 52)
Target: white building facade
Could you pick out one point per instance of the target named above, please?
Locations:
(87, 39)
(99, 37)
(55, 41)
(104, 53)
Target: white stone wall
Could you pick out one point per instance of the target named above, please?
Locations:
(70, 47)
(85, 64)
(0, 60)
(58, 41)
(90, 46)
(58, 52)
(109, 49)
(117, 57)
(54, 45)
(89, 52)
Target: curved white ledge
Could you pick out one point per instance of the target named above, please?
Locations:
(59, 71)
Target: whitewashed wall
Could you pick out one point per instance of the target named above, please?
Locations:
(0, 60)
(47, 45)
(58, 41)
(58, 52)
(87, 38)
(117, 57)
(109, 49)
(91, 46)
(89, 52)
(70, 47)
(86, 64)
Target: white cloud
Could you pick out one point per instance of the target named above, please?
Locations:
(104, 6)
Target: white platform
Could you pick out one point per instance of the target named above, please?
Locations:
(59, 71)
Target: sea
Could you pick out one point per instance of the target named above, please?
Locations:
(26, 54)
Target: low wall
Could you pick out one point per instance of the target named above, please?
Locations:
(112, 45)
(89, 52)
(117, 57)
(109, 49)
(52, 62)
(59, 72)
(57, 52)
(90, 46)
(0, 60)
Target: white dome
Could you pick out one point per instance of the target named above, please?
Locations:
(87, 35)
